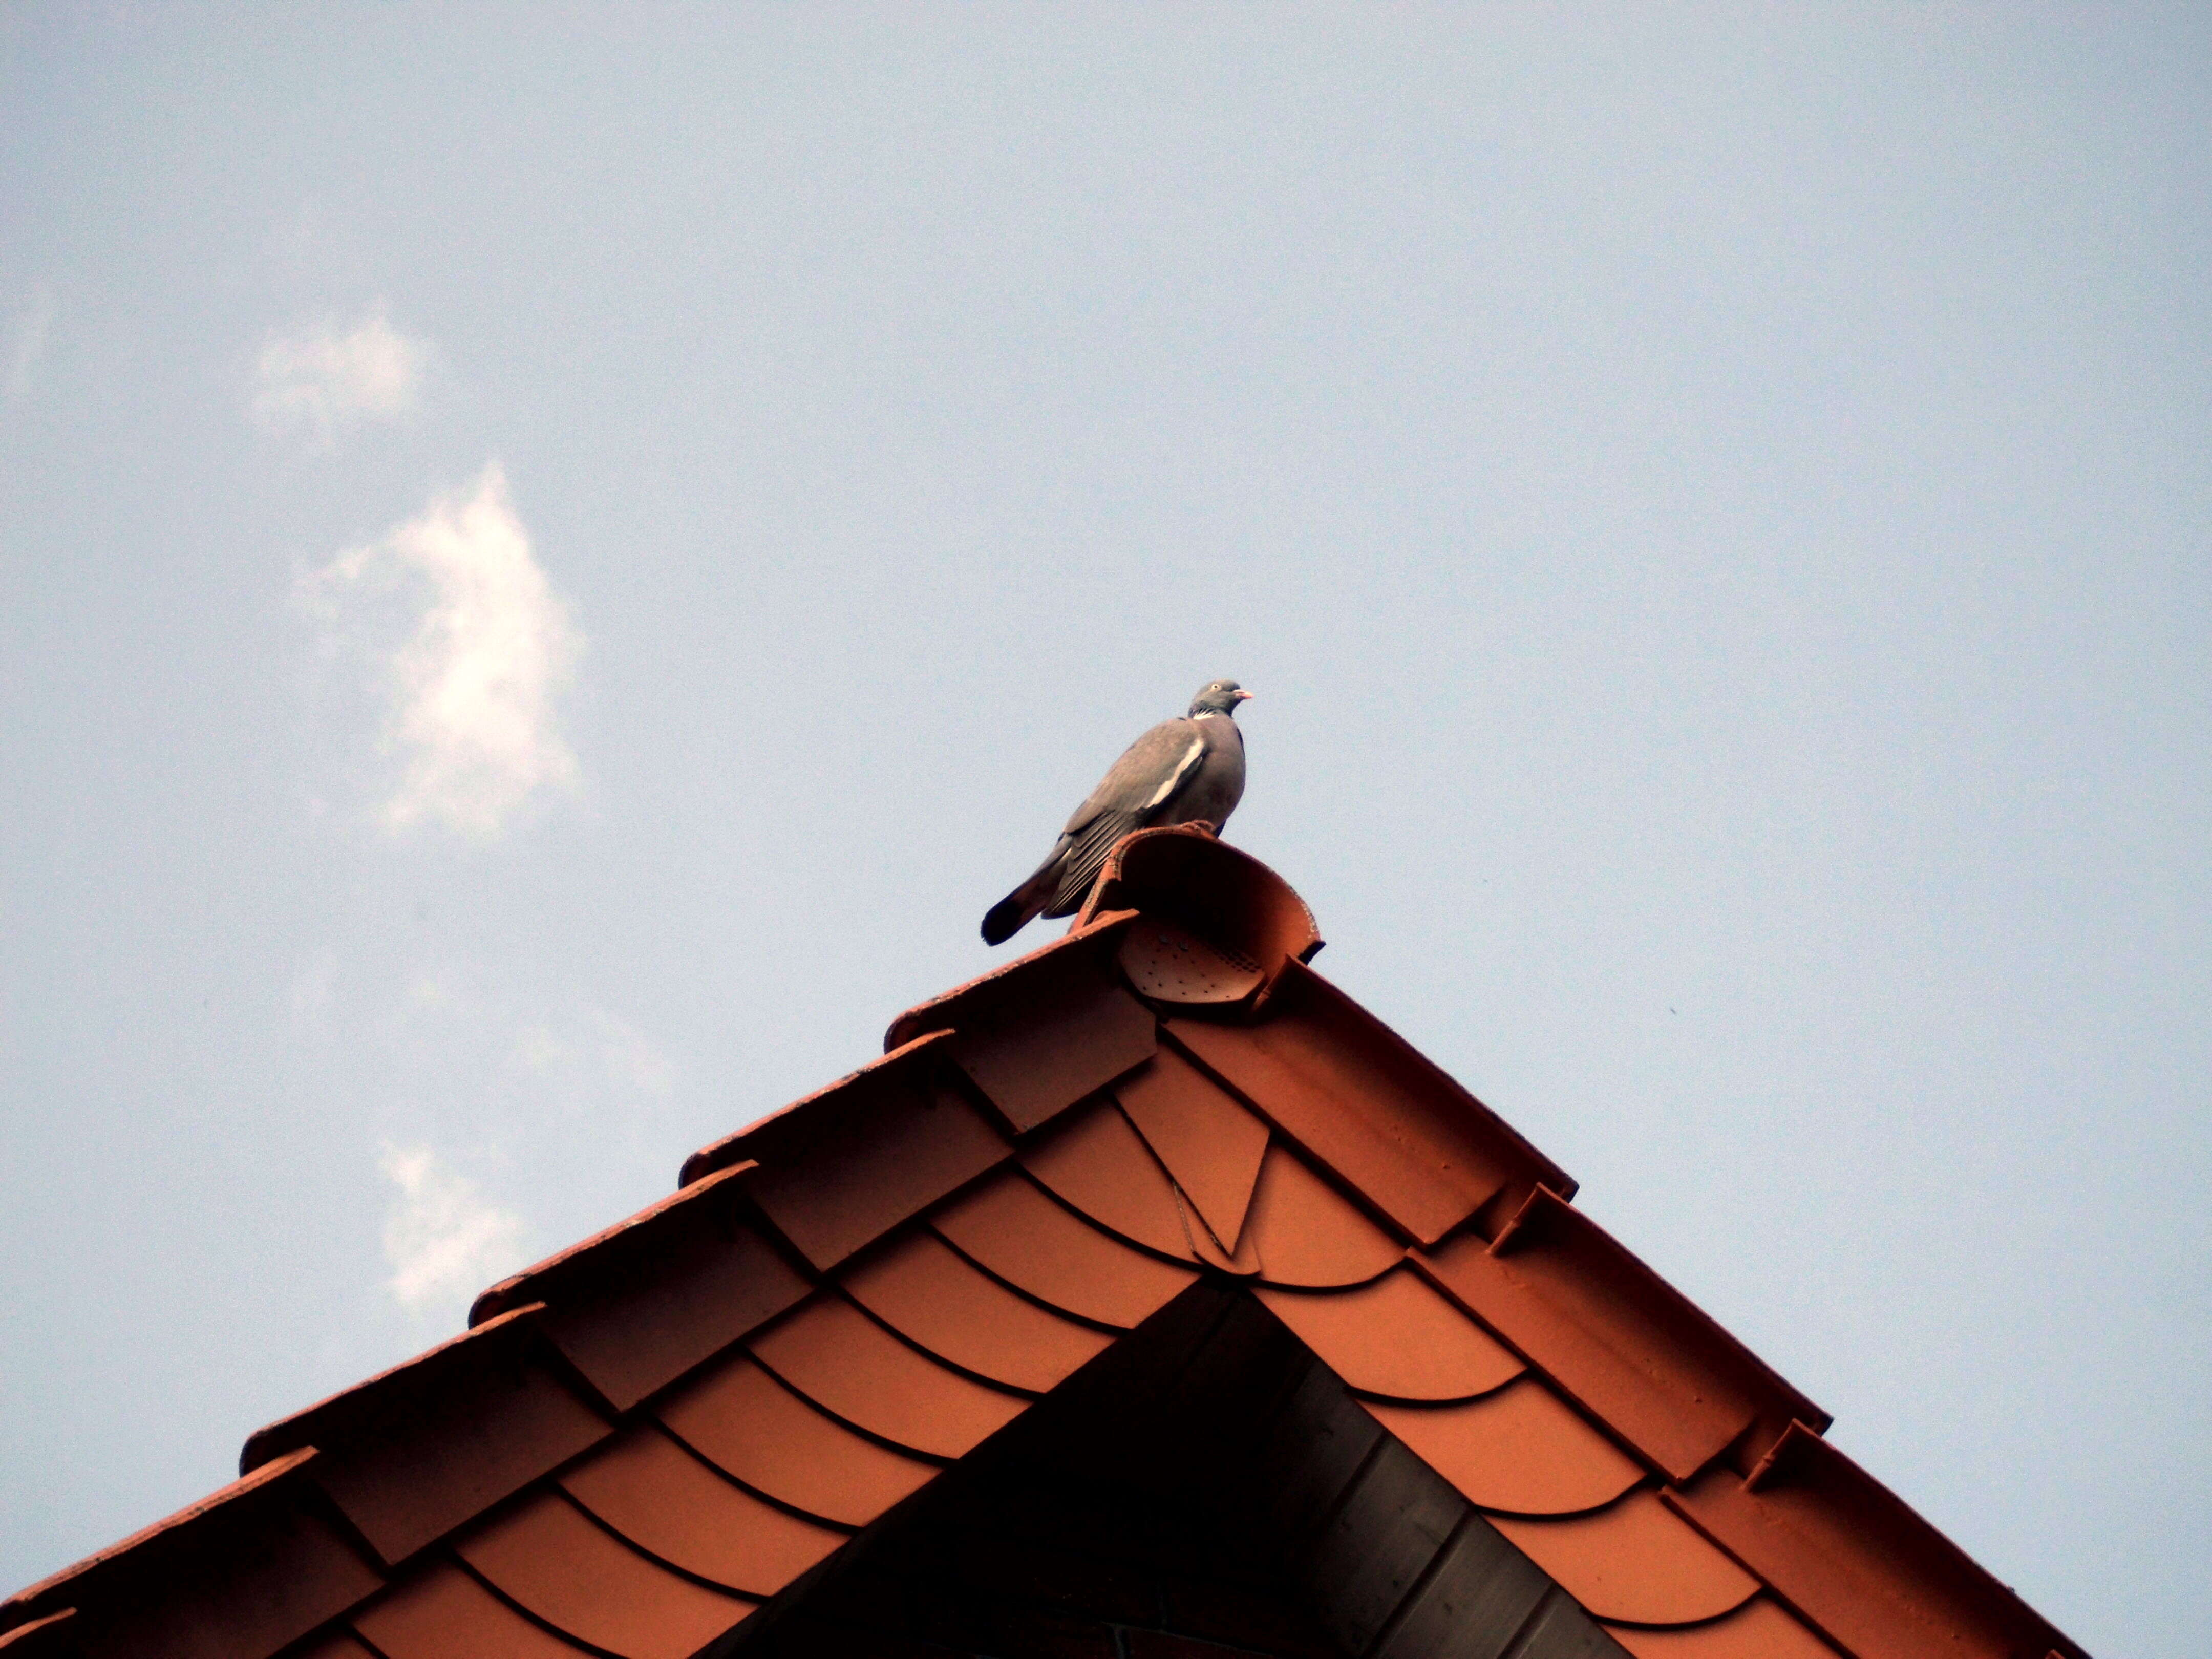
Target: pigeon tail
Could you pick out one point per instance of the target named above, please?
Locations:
(1019, 908)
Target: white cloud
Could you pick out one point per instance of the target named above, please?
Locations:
(442, 1239)
(27, 342)
(611, 1053)
(472, 691)
(317, 379)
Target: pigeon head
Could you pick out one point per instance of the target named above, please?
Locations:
(1217, 697)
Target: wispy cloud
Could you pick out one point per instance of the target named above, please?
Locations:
(320, 377)
(472, 690)
(443, 1239)
(27, 342)
(608, 1052)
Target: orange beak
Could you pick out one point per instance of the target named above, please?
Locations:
(1243, 696)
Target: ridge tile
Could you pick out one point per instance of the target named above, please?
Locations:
(240, 1583)
(430, 1459)
(1057, 1032)
(887, 1142)
(1186, 876)
(516, 1289)
(1368, 1105)
(50, 1635)
(1092, 938)
(219, 1507)
(1851, 1557)
(1626, 1346)
(650, 1315)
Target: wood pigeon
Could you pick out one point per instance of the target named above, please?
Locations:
(1178, 772)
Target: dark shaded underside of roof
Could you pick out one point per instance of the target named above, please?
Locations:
(1208, 1482)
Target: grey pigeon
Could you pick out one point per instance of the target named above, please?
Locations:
(1178, 772)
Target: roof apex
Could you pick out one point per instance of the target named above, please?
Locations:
(1186, 875)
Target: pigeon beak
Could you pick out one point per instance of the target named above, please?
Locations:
(1243, 696)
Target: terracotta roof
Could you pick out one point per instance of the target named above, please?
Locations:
(1158, 1208)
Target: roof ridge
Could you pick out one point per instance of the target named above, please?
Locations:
(1635, 1351)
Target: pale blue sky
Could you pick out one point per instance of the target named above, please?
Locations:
(553, 562)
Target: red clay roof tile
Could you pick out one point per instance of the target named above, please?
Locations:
(1635, 1563)
(1012, 1230)
(1363, 1100)
(670, 1504)
(850, 1366)
(1211, 1145)
(1244, 1264)
(1621, 1341)
(442, 1613)
(1307, 1236)
(1760, 1629)
(1858, 1562)
(1520, 1450)
(1095, 1161)
(888, 1141)
(547, 1556)
(1396, 1338)
(748, 1424)
(928, 1292)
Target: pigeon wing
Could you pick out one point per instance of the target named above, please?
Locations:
(1152, 771)
(1149, 773)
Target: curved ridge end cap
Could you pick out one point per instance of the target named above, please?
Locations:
(1185, 874)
